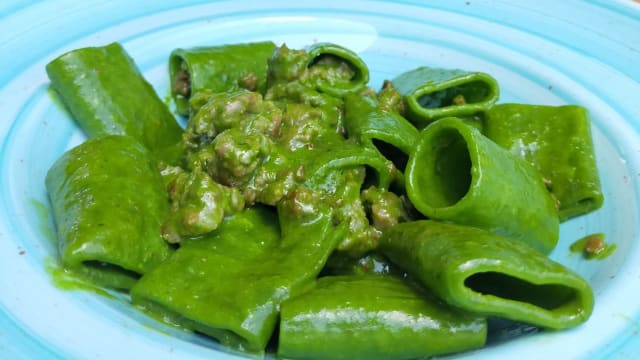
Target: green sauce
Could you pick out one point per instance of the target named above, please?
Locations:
(66, 280)
(593, 247)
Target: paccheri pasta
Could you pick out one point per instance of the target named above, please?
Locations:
(356, 224)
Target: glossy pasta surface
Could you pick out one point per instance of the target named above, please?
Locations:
(297, 193)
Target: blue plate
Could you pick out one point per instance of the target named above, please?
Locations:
(543, 52)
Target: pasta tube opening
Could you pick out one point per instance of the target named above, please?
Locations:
(336, 70)
(545, 296)
(236, 340)
(392, 152)
(121, 277)
(447, 171)
(181, 82)
(466, 93)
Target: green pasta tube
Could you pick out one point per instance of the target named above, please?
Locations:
(366, 122)
(325, 67)
(373, 317)
(98, 191)
(230, 284)
(488, 274)
(106, 94)
(329, 59)
(432, 93)
(556, 140)
(456, 174)
(326, 159)
(219, 68)
(371, 263)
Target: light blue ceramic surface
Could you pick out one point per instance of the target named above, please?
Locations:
(545, 52)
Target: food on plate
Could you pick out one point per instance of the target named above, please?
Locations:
(457, 174)
(108, 201)
(218, 69)
(488, 274)
(432, 93)
(106, 94)
(292, 206)
(393, 319)
(556, 140)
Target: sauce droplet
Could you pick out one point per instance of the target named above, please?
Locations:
(593, 247)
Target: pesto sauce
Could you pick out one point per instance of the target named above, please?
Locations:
(269, 147)
(67, 280)
(589, 250)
